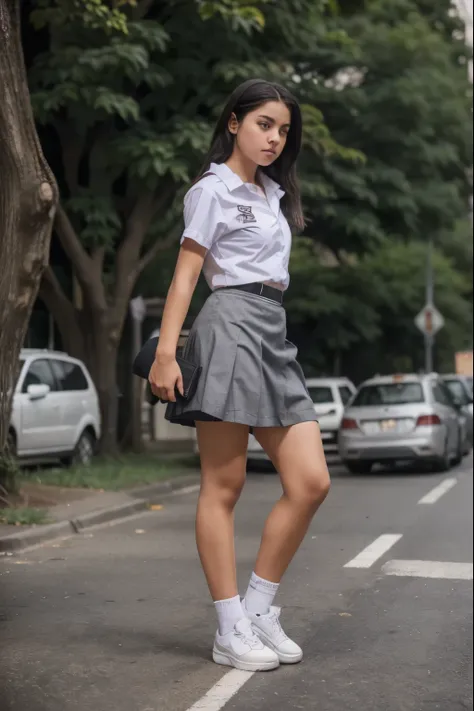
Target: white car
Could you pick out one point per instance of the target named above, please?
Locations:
(330, 397)
(55, 411)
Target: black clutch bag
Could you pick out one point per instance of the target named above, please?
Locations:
(142, 366)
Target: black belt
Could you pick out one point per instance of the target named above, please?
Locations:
(269, 292)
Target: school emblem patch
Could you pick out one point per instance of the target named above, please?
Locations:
(246, 215)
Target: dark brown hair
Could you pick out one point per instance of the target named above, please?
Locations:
(245, 98)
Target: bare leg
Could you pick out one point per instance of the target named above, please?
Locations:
(223, 451)
(298, 455)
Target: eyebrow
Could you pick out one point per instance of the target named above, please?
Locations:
(272, 120)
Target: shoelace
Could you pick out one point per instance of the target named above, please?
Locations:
(249, 637)
(280, 635)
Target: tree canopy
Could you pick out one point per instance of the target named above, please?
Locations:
(126, 94)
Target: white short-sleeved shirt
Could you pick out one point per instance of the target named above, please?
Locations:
(244, 230)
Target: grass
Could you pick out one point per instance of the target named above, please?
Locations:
(23, 516)
(113, 474)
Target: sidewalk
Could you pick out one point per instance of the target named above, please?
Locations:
(89, 510)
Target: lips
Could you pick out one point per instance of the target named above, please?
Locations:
(270, 152)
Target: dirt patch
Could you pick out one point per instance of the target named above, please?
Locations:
(40, 496)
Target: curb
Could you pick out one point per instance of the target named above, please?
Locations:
(143, 497)
(24, 539)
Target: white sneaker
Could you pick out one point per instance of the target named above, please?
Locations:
(269, 629)
(242, 649)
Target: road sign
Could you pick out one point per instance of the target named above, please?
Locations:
(138, 308)
(429, 320)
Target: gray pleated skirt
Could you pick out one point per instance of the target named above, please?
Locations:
(250, 374)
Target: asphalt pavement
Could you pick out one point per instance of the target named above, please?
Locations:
(379, 597)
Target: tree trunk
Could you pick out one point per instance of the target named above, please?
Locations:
(65, 315)
(103, 364)
(28, 199)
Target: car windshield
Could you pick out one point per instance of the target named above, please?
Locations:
(457, 389)
(389, 394)
(320, 395)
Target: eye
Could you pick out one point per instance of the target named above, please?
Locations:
(264, 124)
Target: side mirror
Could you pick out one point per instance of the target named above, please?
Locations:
(38, 392)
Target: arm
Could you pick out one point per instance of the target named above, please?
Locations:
(165, 373)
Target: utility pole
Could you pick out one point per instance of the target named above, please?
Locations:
(429, 335)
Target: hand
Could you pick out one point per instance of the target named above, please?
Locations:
(165, 376)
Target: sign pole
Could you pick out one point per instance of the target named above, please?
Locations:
(429, 334)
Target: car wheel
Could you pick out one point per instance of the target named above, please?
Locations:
(359, 467)
(83, 451)
(443, 464)
(11, 444)
(459, 452)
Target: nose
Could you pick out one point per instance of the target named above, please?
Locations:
(274, 139)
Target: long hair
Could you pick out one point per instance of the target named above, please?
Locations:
(248, 97)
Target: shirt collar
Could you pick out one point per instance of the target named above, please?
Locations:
(232, 181)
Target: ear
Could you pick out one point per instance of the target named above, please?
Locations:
(233, 124)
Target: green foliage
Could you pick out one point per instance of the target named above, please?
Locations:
(386, 147)
(239, 13)
(22, 516)
(116, 473)
(8, 473)
(92, 14)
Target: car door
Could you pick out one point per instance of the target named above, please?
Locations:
(448, 415)
(40, 419)
(74, 398)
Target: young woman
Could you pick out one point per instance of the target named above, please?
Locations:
(236, 229)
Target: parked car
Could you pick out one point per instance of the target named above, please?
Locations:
(401, 417)
(460, 388)
(330, 396)
(55, 409)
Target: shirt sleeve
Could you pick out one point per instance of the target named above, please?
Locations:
(203, 219)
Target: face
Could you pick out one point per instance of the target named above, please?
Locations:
(262, 134)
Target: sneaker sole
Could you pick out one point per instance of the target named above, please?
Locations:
(228, 660)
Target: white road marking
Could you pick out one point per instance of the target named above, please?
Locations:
(428, 569)
(369, 555)
(217, 697)
(435, 494)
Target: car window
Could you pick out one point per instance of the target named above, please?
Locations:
(345, 393)
(458, 391)
(470, 383)
(389, 394)
(441, 394)
(70, 376)
(39, 373)
(320, 394)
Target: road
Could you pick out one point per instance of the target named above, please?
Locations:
(119, 619)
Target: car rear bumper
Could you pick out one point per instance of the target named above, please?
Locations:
(419, 445)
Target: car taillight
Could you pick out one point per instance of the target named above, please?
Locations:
(348, 424)
(428, 420)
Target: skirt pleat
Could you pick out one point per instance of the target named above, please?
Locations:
(250, 373)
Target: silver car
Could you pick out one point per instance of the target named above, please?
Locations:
(330, 396)
(401, 417)
(460, 388)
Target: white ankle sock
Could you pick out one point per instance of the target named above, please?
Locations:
(260, 595)
(229, 612)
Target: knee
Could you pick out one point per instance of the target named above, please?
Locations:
(313, 489)
(224, 494)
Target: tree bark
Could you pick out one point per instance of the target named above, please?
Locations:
(28, 199)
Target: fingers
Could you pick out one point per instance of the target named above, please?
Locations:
(170, 395)
(166, 393)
